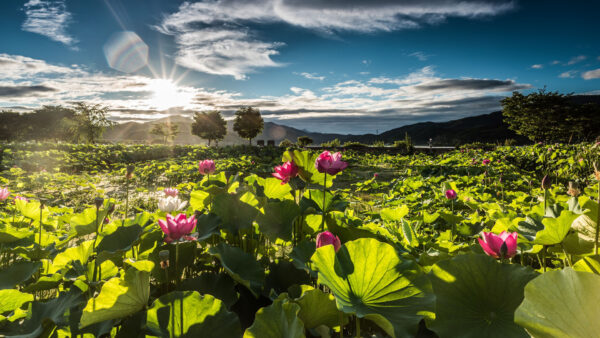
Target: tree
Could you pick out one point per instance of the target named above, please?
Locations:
(165, 130)
(248, 123)
(90, 121)
(303, 141)
(551, 117)
(209, 125)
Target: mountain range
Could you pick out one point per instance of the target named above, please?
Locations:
(481, 128)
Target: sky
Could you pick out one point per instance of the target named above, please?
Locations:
(340, 66)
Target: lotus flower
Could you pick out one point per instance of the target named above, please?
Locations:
(327, 238)
(285, 172)
(170, 204)
(330, 163)
(206, 167)
(171, 192)
(451, 194)
(177, 227)
(486, 162)
(499, 246)
(4, 193)
(24, 199)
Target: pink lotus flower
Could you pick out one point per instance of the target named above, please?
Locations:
(327, 238)
(285, 172)
(206, 167)
(24, 199)
(486, 162)
(4, 193)
(171, 192)
(451, 194)
(330, 163)
(499, 246)
(177, 227)
(375, 175)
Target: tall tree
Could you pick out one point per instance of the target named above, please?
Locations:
(248, 123)
(551, 117)
(167, 131)
(209, 125)
(90, 121)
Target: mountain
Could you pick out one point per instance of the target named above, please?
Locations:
(480, 128)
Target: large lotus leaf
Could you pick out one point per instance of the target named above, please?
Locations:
(199, 199)
(275, 190)
(207, 225)
(477, 296)
(283, 274)
(393, 214)
(120, 240)
(305, 160)
(318, 308)
(241, 266)
(80, 253)
(302, 253)
(46, 316)
(220, 285)
(278, 219)
(314, 198)
(45, 283)
(13, 299)
(235, 214)
(588, 264)
(9, 234)
(119, 297)
(188, 314)
(547, 230)
(31, 210)
(17, 273)
(370, 280)
(277, 320)
(84, 223)
(561, 303)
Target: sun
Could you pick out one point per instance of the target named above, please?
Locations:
(166, 94)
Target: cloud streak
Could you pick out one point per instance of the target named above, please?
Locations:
(216, 37)
(16, 91)
(49, 18)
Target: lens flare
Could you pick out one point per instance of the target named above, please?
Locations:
(126, 52)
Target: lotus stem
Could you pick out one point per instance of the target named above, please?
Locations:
(177, 263)
(324, 213)
(597, 222)
(357, 327)
(40, 236)
(341, 324)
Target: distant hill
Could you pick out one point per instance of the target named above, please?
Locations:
(487, 128)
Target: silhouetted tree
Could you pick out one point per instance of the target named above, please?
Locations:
(303, 141)
(209, 125)
(90, 121)
(551, 117)
(248, 123)
(167, 131)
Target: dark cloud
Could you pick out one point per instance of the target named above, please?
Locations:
(19, 91)
(472, 84)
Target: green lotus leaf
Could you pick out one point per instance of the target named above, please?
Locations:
(17, 273)
(199, 199)
(547, 230)
(302, 253)
(477, 296)
(81, 253)
(283, 274)
(588, 264)
(207, 225)
(119, 297)
(314, 198)
(305, 161)
(394, 214)
(9, 234)
(219, 285)
(13, 299)
(370, 280)
(120, 240)
(561, 303)
(275, 190)
(318, 308)
(189, 314)
(241, 266)
(277, 320)
(277, 219)
(235, 214)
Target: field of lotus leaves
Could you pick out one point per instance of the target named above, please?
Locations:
(134, 241)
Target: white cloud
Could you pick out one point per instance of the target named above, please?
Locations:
(576, 59)
(213, 36)
(592, 74)
(420, 55)
(568, 74)
(49, 18)
(311, 76)
(537, 66)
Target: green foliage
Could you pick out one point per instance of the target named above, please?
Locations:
(165, 130)
(209, 125)
(551, 117)
(303, 141)
(279, 319)
(248, 123)
(90, 121)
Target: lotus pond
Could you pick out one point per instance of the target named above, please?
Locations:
(134, 241)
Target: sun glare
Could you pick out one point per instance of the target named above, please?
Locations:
(166, 94)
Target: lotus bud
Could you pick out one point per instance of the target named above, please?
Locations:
(164, 258)
(546, 184)
(573, 189)
(98, 201)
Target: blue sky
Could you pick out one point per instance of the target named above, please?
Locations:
(348, 66)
